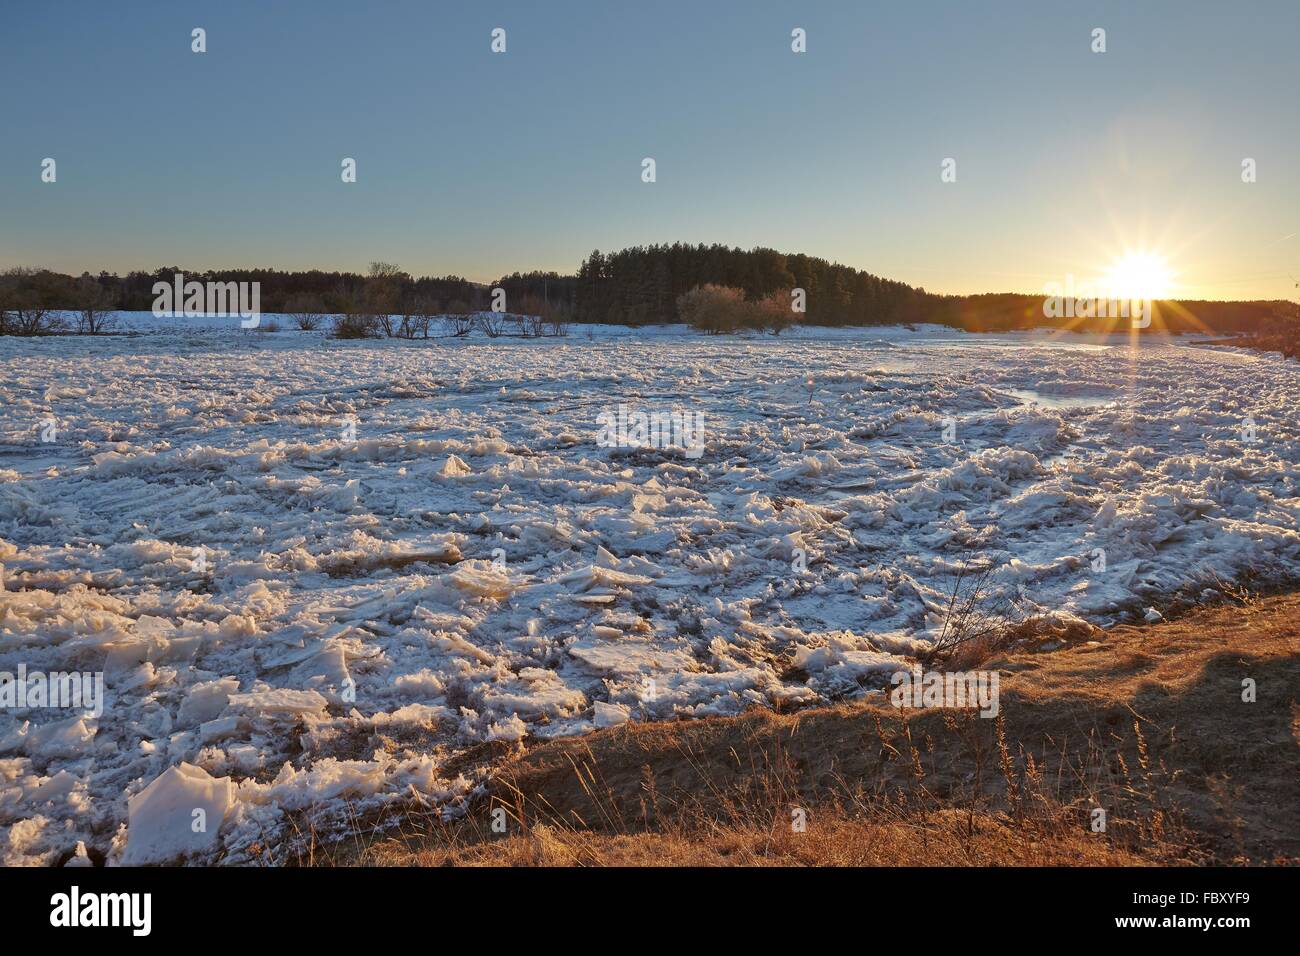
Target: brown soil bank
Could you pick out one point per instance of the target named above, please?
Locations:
(1147, 725)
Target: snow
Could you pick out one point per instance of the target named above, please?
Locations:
(289, 620)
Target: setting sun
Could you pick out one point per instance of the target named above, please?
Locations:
(1139, 275)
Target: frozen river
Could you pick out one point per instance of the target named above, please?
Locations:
(319, 571)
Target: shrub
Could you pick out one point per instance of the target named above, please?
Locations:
(306, 311)
(1280, 333)
(714, 309)
(458, 321)
(352, 325)
(492, 323)
(774, 313)
(717, 309)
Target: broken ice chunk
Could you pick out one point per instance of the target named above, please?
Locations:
(59, 738)
(282, 701)
(481, 581)
(56, 787)
(329, 662)
(584, 579)
(210, 731)
(813, 466)
(178, 814)
(629, 657)
(512, 728)
(453, 467)
(206, 701)
(610, 715)
(80, 857)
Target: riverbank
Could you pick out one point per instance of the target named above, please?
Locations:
(1151, 724)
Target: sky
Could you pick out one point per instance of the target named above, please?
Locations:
(477, 163)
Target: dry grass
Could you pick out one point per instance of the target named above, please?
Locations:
(942, 839)
(1147, 723)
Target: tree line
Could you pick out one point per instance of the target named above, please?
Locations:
(384, 301)
(714, 288)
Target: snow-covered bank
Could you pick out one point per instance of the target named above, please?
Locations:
(324, 570)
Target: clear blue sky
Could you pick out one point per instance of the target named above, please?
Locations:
(475, 163)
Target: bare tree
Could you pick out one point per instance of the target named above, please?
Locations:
(529, 321)
(382, 295)
(537, 317)
(31, 297)
(417, 313)
(555, 319)
(493, 324)
(526, 326)
(6, 304)
(459, 321)
(423, 311)
(557, 323)
(95, 306)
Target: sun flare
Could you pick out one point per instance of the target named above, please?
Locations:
(1139, 275)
